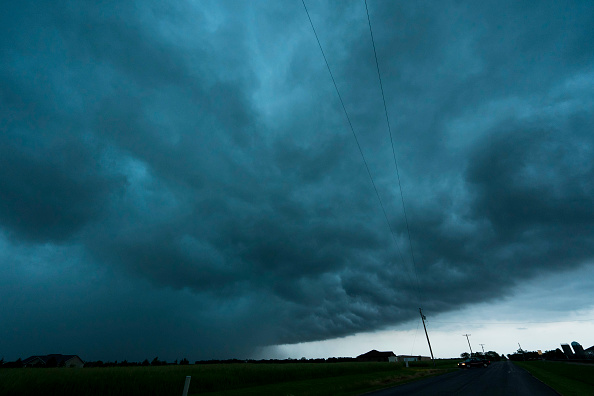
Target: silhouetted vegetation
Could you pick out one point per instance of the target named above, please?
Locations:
(522, 355)
(279, 361)
(556, 354)
(491, 355)
(157, 362)
(16, 364)
(126, 363)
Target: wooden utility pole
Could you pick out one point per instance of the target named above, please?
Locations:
(467, 339)
(427, 335)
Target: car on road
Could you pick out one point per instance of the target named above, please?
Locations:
(474, 362)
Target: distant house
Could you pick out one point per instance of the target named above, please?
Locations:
(53, 360)
(377, 356)
(411, 358)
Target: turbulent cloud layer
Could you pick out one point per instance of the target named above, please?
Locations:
(181, 179)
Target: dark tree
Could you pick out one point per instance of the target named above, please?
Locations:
(524, 355)
(557, 354)
(16, 364)
(98, 363)
(493, 356)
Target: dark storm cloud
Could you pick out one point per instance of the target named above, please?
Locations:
(195, 162)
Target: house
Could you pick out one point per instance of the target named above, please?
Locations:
(377, 356)
(53, 360)
(411, 358)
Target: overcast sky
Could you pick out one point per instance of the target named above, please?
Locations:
(178, 179)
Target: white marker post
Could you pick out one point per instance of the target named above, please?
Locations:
(187, 385)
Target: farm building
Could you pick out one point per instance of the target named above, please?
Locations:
(377, 356)
(411, 358)
(53, 360)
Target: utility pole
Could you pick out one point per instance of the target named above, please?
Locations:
(427, 335)
(483, 346)
(467, 339)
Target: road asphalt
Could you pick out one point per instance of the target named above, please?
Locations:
(500, 378)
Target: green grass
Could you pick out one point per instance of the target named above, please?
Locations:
(566, 378)
(215, 379)
(378, 376)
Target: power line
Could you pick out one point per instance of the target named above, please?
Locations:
(415, 338)
(393, 153)
(379, 76)
(353, 131)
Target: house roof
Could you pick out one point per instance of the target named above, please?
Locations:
(373, 354)
(45, 358)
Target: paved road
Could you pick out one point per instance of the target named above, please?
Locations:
(500, 378)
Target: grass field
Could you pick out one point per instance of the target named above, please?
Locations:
(216, 379)
(566, 378)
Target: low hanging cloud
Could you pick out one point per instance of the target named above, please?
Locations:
(190, 167)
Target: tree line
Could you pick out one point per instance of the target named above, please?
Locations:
(51, 363)
(157, 362)
(521, 355)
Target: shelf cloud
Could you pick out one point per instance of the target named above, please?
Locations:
(180, 179)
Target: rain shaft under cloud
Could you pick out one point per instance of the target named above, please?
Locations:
(179, 179)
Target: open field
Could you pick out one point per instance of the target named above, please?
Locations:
(566, 378)
(217, 379)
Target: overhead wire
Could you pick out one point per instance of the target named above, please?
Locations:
(379, 75)
(353, 132)
(397, 174)
(415, 270)
(415, 337)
